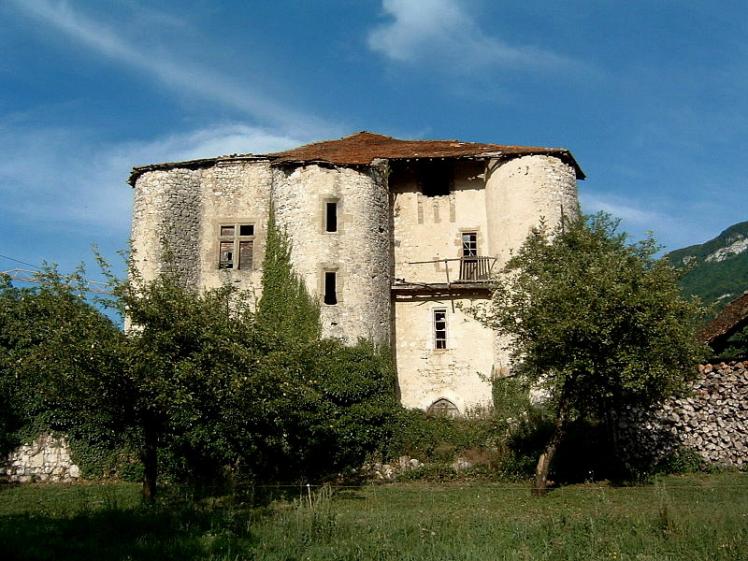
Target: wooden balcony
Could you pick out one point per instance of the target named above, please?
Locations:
(473, 273)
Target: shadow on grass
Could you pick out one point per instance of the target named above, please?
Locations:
(157, 533)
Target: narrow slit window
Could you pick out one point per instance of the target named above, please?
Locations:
(331, 217)
(226, 260)
(245, 254)
(440, 329)
(331, 281)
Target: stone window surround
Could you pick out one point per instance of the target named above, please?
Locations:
(323, 214)
(236, 238)
(330, 268)
(478, 239)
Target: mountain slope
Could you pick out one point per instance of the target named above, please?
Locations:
(718, 268)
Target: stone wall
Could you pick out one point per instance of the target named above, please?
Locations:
(47, 458)
(711, 420)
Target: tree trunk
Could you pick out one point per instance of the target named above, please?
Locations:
(150, 461)
(540, 486)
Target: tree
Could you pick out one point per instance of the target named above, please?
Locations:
(183, 357)
(60, 367)
(596, 322)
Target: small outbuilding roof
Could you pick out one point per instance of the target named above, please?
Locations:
(364, 147)
(729, 321)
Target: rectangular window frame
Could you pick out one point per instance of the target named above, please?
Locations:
(469, 247)
(334, 298)
(230, 235)
(331, 218)
(440, 334)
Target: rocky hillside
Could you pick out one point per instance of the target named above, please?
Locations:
(719, 267)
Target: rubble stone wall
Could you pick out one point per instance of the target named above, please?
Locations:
(47, 458)
(712, 419)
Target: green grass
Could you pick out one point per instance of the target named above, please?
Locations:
(698, 517)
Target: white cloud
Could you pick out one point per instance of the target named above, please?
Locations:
(625, 210)
(63, 178)
(639, 218)
(442, 31)
(169, 70)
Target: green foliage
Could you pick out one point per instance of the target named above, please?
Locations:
(511, 397)
(440, 438)
(60, 366)
(594, 319)
(285, 306)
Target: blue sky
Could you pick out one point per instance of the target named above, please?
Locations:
(651, 97)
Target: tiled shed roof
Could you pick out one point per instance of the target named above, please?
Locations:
(731, 319)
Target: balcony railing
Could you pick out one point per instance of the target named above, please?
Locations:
(471, 269)
(475, 269)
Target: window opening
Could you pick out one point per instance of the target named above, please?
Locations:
(235, 251)
(470, 244)
(440, 328)
(226, 260)
(331, 296)
(331, 217)
(436, 178)
(245, 254)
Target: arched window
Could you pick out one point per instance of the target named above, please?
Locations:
(443, 407)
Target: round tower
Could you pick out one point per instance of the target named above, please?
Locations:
(337, 219)
(522, 191)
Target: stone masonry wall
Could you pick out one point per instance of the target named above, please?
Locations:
(712, 420)
(166, 208)
(47, 458)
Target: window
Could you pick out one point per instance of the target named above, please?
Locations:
(436, 178)
(235, 251)
(440, 328)
(331, 217)
(470, 244)
(226, 260)
(331, 297)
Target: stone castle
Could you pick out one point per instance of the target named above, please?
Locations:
(391, 235)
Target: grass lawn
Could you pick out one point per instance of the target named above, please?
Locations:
(698, 517)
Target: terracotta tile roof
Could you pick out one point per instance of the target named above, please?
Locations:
(732, 318)
(363, 147)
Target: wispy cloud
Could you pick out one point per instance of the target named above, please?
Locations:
(443, 31)
(638, 218)
(66, 179)
(168, 69)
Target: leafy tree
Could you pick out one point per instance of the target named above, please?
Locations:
(183, 355)
(596, 322)
(60, 367)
